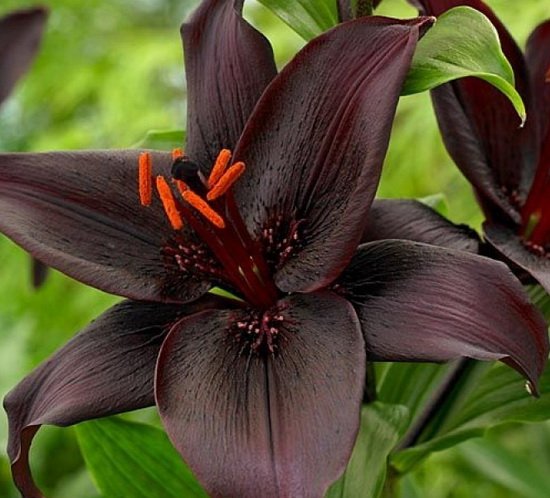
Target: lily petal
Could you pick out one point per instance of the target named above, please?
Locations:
(106, 369)
(413, 220)
(279, 424)
(538, 61)
(508, 243)
(228, 65)
(314, 146)
(20, 36)
(80, 212)
(480, 128)
(423, 303)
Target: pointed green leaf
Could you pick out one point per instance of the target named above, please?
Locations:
(498, 397)
(409, 384)
(381, 427)
(541, 299)
(508, 469)
(132, 459)
(162, 140)
(438, 202)
(462, 43)
(308, 18)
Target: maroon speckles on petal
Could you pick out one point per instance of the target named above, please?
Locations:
(282, 239)
(537, 249)
(513, 196)
(193, 259)
(260, 332)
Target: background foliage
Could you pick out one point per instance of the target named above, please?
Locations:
(109, 72)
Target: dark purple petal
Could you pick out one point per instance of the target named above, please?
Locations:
(538, 62)
(106, 369)
(228, 65)
(508, 243)
(480, 128)
(315, 143)
(423, 303)
(413, 220)
(80, 213)
(20, 36)
(265, 425)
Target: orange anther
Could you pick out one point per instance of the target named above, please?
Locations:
(169, 203)
(177, 153)
(182, 186)
(225, 182)
(144, 177)
(202, 207)
(219, 167)
(547, 78)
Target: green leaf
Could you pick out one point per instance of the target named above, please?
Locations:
(498, 397)
(162, 140)
(137, 460)
(381, 427)
(438, 202)
(462, 43)
(409, 384)
(512, 471)
(540, 299)
(308, 18)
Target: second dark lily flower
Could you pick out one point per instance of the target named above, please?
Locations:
(260, 394)
(508, 166)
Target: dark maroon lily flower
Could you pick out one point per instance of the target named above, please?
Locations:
(20, 36)
(508, 166)
(260, 394)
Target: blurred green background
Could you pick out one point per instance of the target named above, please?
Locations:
(110, 71)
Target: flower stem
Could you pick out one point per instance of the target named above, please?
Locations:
(364, 8)
(390, 489)
(440, 403)
(369, 394)
(345, 12)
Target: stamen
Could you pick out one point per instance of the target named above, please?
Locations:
(219, 167)
(145, 175)
(177, 153)
(169, 203)
(547, 78)
(226, 181)
(181, 185)
(202, 207)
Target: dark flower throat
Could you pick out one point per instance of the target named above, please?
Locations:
(226, 253)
